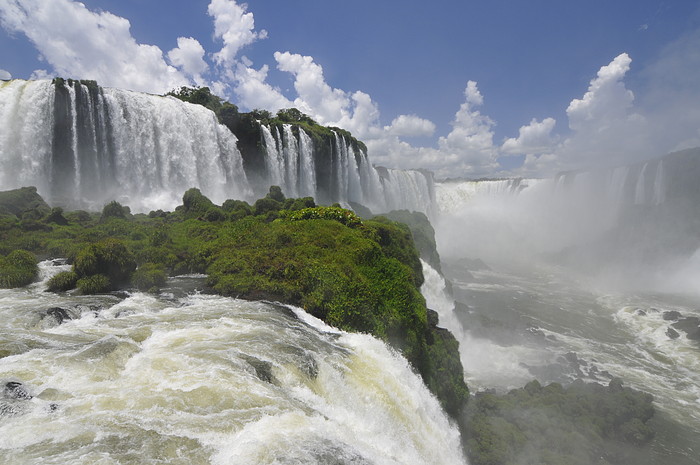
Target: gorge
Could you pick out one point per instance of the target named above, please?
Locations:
(557, 280)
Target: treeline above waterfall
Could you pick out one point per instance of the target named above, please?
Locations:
(83, 145)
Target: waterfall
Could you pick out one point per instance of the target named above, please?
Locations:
(82, 146)
(659, 192)
(639, 191)
(340, 173)
(307, 173)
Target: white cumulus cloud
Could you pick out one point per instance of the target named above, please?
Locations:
(189, 57)
(471, 137)
(535, 138)
(607, 99)
(84, 44)
(5, 75)
(410, 126)
(235, 26)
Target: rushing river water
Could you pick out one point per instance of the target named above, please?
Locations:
(516, 325)
(185, 378)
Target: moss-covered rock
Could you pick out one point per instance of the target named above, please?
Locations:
(17, 269)
(149, 276)
(110, 258)
(25, 200)
(581, 424)
(422, 232)
(63, 281)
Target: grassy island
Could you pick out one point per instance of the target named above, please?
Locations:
(358, 275)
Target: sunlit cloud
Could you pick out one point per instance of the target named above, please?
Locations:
(80, 43)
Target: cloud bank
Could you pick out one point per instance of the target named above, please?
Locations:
(606, 125)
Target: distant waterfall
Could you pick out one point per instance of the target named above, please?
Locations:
(83, 145)
(340, 174)
(614, 188)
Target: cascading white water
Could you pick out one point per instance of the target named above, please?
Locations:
(26, 125)
(307, 172)
(205, 380)
(639, 190)
(409, 189)
(291, 163)
(659, 188)
(140, 149)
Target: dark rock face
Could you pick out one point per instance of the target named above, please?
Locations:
(20, 201)
(672, 333)
(58, 314)
(16, 390)
(672, 315)
(690, 325)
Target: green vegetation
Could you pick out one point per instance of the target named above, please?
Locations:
(246, 126)
(17, 269)
(422, 231)
(358, 275)
(580, 425)
(63, 281)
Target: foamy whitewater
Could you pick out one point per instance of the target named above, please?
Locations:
(200, 379)
(519, 316)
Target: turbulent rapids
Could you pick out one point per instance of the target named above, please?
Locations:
(204, 379)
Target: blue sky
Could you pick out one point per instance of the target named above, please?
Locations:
(464, 88)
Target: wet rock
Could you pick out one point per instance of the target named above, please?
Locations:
(433, 318)
(535, 331)
(672, 315)
(16, 390)
(672, 333)
(689, 325)
(263, 369)
(640, 312)
(58, 314)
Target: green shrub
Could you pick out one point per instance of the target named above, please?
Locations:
(56, 216)
(215, 214)
(63, 281)
(114, 210)
(109, 257)
(149, 276)
(17, 269)
(94, 284)
(276, 194)
(195, 203)
(341, 215)
(265, 206)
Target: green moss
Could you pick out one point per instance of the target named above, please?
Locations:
(114, 210)
(22, 201)
(110, 258)
(94, 284)
(17, 269)
(579, 424)
(63, 281)
(149, 276)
